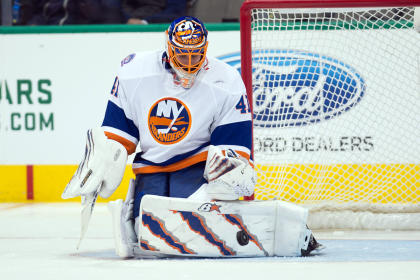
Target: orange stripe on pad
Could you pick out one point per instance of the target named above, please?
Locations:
(129, 146)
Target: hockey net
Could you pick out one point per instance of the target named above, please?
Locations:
(334, 88)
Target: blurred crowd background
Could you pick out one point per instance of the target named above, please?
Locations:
(65, 12)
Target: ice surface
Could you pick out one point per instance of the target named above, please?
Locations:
(38, 241)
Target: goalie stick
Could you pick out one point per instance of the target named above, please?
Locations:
(88, 203)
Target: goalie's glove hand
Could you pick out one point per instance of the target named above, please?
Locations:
(229, 175)
(221, 162)
(101, 169)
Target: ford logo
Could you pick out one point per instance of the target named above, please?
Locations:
(293, 88)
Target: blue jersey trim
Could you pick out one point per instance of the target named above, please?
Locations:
(115, 117)
(177, 158)
(239, 134)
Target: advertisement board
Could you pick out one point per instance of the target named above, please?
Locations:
(54, 87)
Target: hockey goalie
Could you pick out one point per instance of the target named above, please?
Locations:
(189, 119)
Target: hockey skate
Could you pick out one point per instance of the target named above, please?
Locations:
(313, 246)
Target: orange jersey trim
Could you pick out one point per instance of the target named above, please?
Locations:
(173, 167)
(181, 164)
(129, 146)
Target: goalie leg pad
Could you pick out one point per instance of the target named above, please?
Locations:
(123, 224)
(291, 233)
(177, 226)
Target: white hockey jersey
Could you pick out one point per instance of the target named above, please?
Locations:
(174, 126)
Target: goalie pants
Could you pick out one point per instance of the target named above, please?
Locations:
(181, 183)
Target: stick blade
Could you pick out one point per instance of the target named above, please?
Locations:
(88, 203)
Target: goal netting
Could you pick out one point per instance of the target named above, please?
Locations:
(335, 92)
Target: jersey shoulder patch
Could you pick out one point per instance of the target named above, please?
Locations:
(127, 59)
(139, 64)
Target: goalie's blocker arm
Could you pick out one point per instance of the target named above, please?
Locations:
(101, 169)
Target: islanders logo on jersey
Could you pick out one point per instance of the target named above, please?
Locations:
(169, 120)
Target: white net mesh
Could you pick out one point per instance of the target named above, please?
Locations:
(336, 101)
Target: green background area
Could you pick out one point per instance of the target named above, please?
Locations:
(104, 28)
(268, 25)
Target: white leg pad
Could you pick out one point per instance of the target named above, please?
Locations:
(291, 233)
(123, 224)
(176, 226)
(201, 194)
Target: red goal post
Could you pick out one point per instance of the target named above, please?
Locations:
(355, 148)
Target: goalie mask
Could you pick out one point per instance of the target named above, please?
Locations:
(186, 48)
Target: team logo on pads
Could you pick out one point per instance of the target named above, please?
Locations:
(209, 207)
(169, 120)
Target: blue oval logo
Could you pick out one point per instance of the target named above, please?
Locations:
(293, 88)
